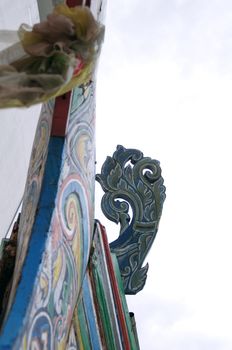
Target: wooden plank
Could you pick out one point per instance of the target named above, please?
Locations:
(118, 302)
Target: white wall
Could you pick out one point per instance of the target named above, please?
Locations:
(17, 126)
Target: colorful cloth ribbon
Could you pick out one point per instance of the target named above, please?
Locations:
(60, 53)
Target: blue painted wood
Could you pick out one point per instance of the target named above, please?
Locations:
(89, 309)
(46, 205)
(135, 180)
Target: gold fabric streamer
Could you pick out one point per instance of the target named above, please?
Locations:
(60, 53)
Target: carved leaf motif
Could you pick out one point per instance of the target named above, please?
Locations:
(140, 187)
(128, 174)
(148, 197)
(139, 279)
(114, 177)
(149, 212)
(123, 185)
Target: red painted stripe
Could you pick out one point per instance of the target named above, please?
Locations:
(115, 290)
(60, 115)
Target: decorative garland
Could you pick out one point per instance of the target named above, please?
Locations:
(60, 53)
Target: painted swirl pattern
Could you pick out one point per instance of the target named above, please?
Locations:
(32, 189)
(67, 250)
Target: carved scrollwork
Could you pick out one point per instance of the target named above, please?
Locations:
(132, 183)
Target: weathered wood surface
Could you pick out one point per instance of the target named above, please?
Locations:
(56, 226)
(101, 319)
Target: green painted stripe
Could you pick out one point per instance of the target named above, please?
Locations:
(103, 271)
(83, 326)
(90, 312)
(133, 342)
(103, 310)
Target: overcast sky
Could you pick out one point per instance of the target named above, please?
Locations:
(164, 87)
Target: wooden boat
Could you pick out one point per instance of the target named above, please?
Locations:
(68, 287)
